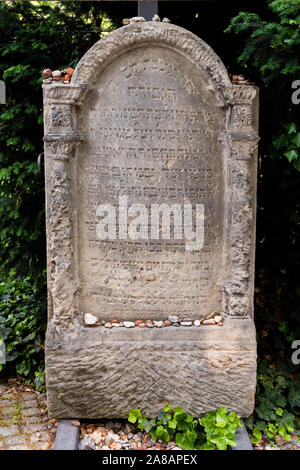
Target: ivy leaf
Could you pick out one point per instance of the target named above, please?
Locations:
(291, 155)
(186, 440)
(221, 418)
(208, 446)
(294, 395)
(150, 425)
(256, 436)
(282, 431)
(134, 415)
(167, 408)
(296, 139)
(162, 434)
(292, 128)
(172, 424)
(162, 416)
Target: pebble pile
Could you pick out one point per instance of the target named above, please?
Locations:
(240, 80)
(280, 443)
(121, 435)
(173, 320)
(63, 76)
(118, 435)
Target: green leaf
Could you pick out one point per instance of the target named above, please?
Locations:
(221, 418)
(134, 415)
(162, 416)
(292, 128)
(256, 436)
(291, 155)
(162, 434)
(283, 433)
(208, 446)
(185, 441)
(172, 424)
(167, 408)
(150, 424)
(296, 139)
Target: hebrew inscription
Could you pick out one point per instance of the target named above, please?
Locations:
(152, 137)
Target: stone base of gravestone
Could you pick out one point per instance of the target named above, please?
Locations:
(104, 373)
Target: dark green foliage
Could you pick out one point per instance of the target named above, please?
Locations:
(22, 323)
(288, 144)
(215, 430)
(33, 36)
(270, 56)
(272, 46)
(277, 411)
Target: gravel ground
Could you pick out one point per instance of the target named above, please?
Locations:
(25, 425)
(121, 435)
(24, 422)
(118, 435)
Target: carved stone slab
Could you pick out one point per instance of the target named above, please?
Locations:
(151, 117)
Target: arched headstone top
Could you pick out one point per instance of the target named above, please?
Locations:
(139, 33)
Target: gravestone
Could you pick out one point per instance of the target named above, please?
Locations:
(150, 118)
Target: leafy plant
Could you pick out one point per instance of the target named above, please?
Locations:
(288, 144)
(277, 410)
(268, 54)
(33, 36)
(39, 379)
(22, 324)
(220, 427)
(215, 430)
(272, 46)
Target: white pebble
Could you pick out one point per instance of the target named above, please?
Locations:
(90, 319)
(173, 318)
(129, 324)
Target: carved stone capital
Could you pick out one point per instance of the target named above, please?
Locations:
(62, 147)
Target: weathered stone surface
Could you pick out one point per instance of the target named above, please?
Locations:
(150, 115)
(151, 368)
